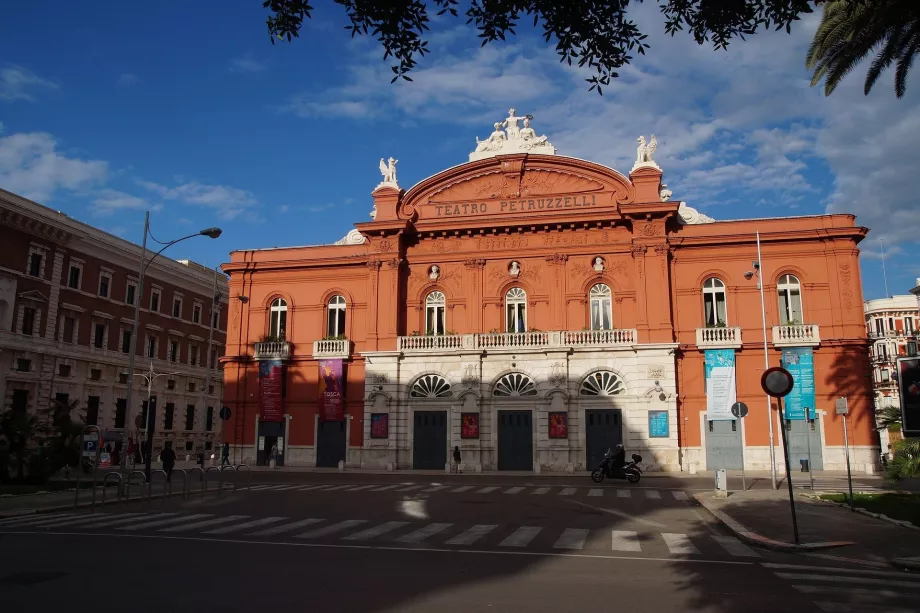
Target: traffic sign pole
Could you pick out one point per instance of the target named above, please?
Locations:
(842, 409)
(782, 430)
(778, 382)
(811, 472)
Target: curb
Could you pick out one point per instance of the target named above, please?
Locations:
(908, 563)
(752, 538)
(898, 522)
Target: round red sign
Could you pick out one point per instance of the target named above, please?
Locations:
(777, 382)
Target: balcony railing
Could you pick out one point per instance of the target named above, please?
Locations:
(800, 335)
(272, 350)
(517, 340)
(718, 338)
(340, 348)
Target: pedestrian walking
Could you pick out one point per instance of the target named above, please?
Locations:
(274, 456)
(168, 457)
(225, 455)
(457, 458)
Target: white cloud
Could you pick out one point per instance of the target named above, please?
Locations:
(229, 202)
(32, 166)
(127, 79)
(320, 208)
(17, 83)
(108, 201)
(248, 64)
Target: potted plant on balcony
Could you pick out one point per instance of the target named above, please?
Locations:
(719, 324)
(337, 337)
(792, 322)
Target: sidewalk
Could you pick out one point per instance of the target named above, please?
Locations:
(763, 518)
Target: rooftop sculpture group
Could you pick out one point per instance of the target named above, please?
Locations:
(508, 137)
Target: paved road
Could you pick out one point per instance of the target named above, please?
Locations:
(423, 545)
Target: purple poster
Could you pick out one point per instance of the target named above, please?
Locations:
(380, 425)
(270, 374)
(331, 391)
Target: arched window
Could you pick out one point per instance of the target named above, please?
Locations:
(278, 319)
(602, 383)
(335, 318)
(714, 312)
(515, 384)
(601, 307)
(516, 308)
(430, 386)
(434, 313)
(790, 300)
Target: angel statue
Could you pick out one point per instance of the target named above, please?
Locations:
(644, 152)
(388, 170)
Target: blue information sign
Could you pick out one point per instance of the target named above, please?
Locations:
(658, 424)
(800, 363)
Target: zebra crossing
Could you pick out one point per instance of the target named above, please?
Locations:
(415, 488)
(823, 484)
(852, 590)
(478, 537)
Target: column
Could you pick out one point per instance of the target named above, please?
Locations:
(638, 253)
(373, 279)
(557, 305)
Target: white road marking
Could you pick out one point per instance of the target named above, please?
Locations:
(572, 538)
(540, 491)
(356, 488)
(838, 570)
(336, 487)
(385, 487)
(285, 488)
(624, 494)
(513, 490)
(256, 488)
(31, 519)
(463, 488)
(286, 527)
(654, 494)
(245, 526)
(165, 522)
(568, 491)
(678, 543)
(678, 495)
(307, 488)
(376, 531)
(327, 530)
(595, 492)
(409, 488)
(88, 519)
(624, 540)
(487, 490)
(618, 513)
(204, 524)
(521, 537)
(422, 533)
(472, 535)
(734, 546)
(125, 520)
(842, 607)
(436, 488)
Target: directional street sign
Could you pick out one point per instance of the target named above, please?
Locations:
(739, 410)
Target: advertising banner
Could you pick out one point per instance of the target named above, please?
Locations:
(331, 391)
(799, 361)
(558, 425)
(909, 386)
(469, 425)
(720, 383)
(270, 374)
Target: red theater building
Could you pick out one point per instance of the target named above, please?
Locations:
(535, 309)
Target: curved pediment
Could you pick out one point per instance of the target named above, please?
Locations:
(516, 183)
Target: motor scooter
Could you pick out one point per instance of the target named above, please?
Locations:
(631, 471)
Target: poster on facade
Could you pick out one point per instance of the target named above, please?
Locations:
(380, 425)
(469, 425)
(658, 426)
(270, 375)
(909, 386)
(799, 361)
(331, 391)
(558, 425)
(720, 384)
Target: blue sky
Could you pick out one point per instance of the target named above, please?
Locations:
(190, 111)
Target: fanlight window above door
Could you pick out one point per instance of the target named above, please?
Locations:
(430, 386)
(602, 383)
(515, 384)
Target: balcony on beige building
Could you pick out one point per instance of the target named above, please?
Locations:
(332, 348)
(272, 350)
(796, 335)
(598, 339)
(718, 337)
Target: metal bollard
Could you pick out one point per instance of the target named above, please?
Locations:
(150, 483)
(184, 481)
(104, 481)
(220, 478)
(128, 484)
(235, 478)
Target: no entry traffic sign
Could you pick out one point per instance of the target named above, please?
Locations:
(777, 382)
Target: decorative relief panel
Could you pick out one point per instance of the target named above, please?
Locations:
(539, 182)
(846, 287)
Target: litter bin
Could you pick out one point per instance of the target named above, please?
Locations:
(804, 463)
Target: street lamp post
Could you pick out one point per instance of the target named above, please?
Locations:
(150, 377)
(758, 272)
(215, 300)
(138, 296)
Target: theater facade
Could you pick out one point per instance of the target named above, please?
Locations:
(535, 309)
